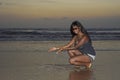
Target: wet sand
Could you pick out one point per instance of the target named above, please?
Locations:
(29, 60)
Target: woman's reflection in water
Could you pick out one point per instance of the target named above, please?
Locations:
(81, 75)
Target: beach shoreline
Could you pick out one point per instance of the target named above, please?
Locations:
(30, 60)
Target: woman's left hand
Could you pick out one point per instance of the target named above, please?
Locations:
(60, 50)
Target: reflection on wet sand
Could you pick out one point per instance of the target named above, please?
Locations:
(81, 75)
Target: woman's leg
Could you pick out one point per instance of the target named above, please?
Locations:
(81, 60)
(76, 58)
(73, 53)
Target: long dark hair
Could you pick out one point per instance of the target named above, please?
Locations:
(83, 30)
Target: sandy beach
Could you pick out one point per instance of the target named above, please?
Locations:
(29, 60)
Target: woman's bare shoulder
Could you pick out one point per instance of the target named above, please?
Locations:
(85, 37)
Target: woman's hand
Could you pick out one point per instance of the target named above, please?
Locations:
(60, 50)
(52, 49)
(55, 49)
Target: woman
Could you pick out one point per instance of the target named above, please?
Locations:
(79, 48)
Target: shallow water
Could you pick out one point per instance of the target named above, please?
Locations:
(31, 61)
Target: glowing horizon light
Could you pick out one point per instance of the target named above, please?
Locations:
(57, 13)
(59, 8)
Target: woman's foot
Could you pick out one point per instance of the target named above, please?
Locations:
(79, 68)
(88, 65)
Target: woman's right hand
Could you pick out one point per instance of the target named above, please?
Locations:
(52, 49)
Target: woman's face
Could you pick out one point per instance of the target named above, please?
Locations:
(75, 29)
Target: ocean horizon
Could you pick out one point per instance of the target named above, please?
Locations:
(54, 34)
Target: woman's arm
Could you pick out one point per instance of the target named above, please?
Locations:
(70, 43)
(82, 41)
(63, 47)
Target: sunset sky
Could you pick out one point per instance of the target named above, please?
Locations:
(59, 13)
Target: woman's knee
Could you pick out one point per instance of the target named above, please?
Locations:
(71, 61)
(70, 51)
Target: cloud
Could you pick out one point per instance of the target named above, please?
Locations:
(28, 3)
(10, 4)
(7, 4)
(47, 1)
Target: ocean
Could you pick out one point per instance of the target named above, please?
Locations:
(24, 55)
(42, 34)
